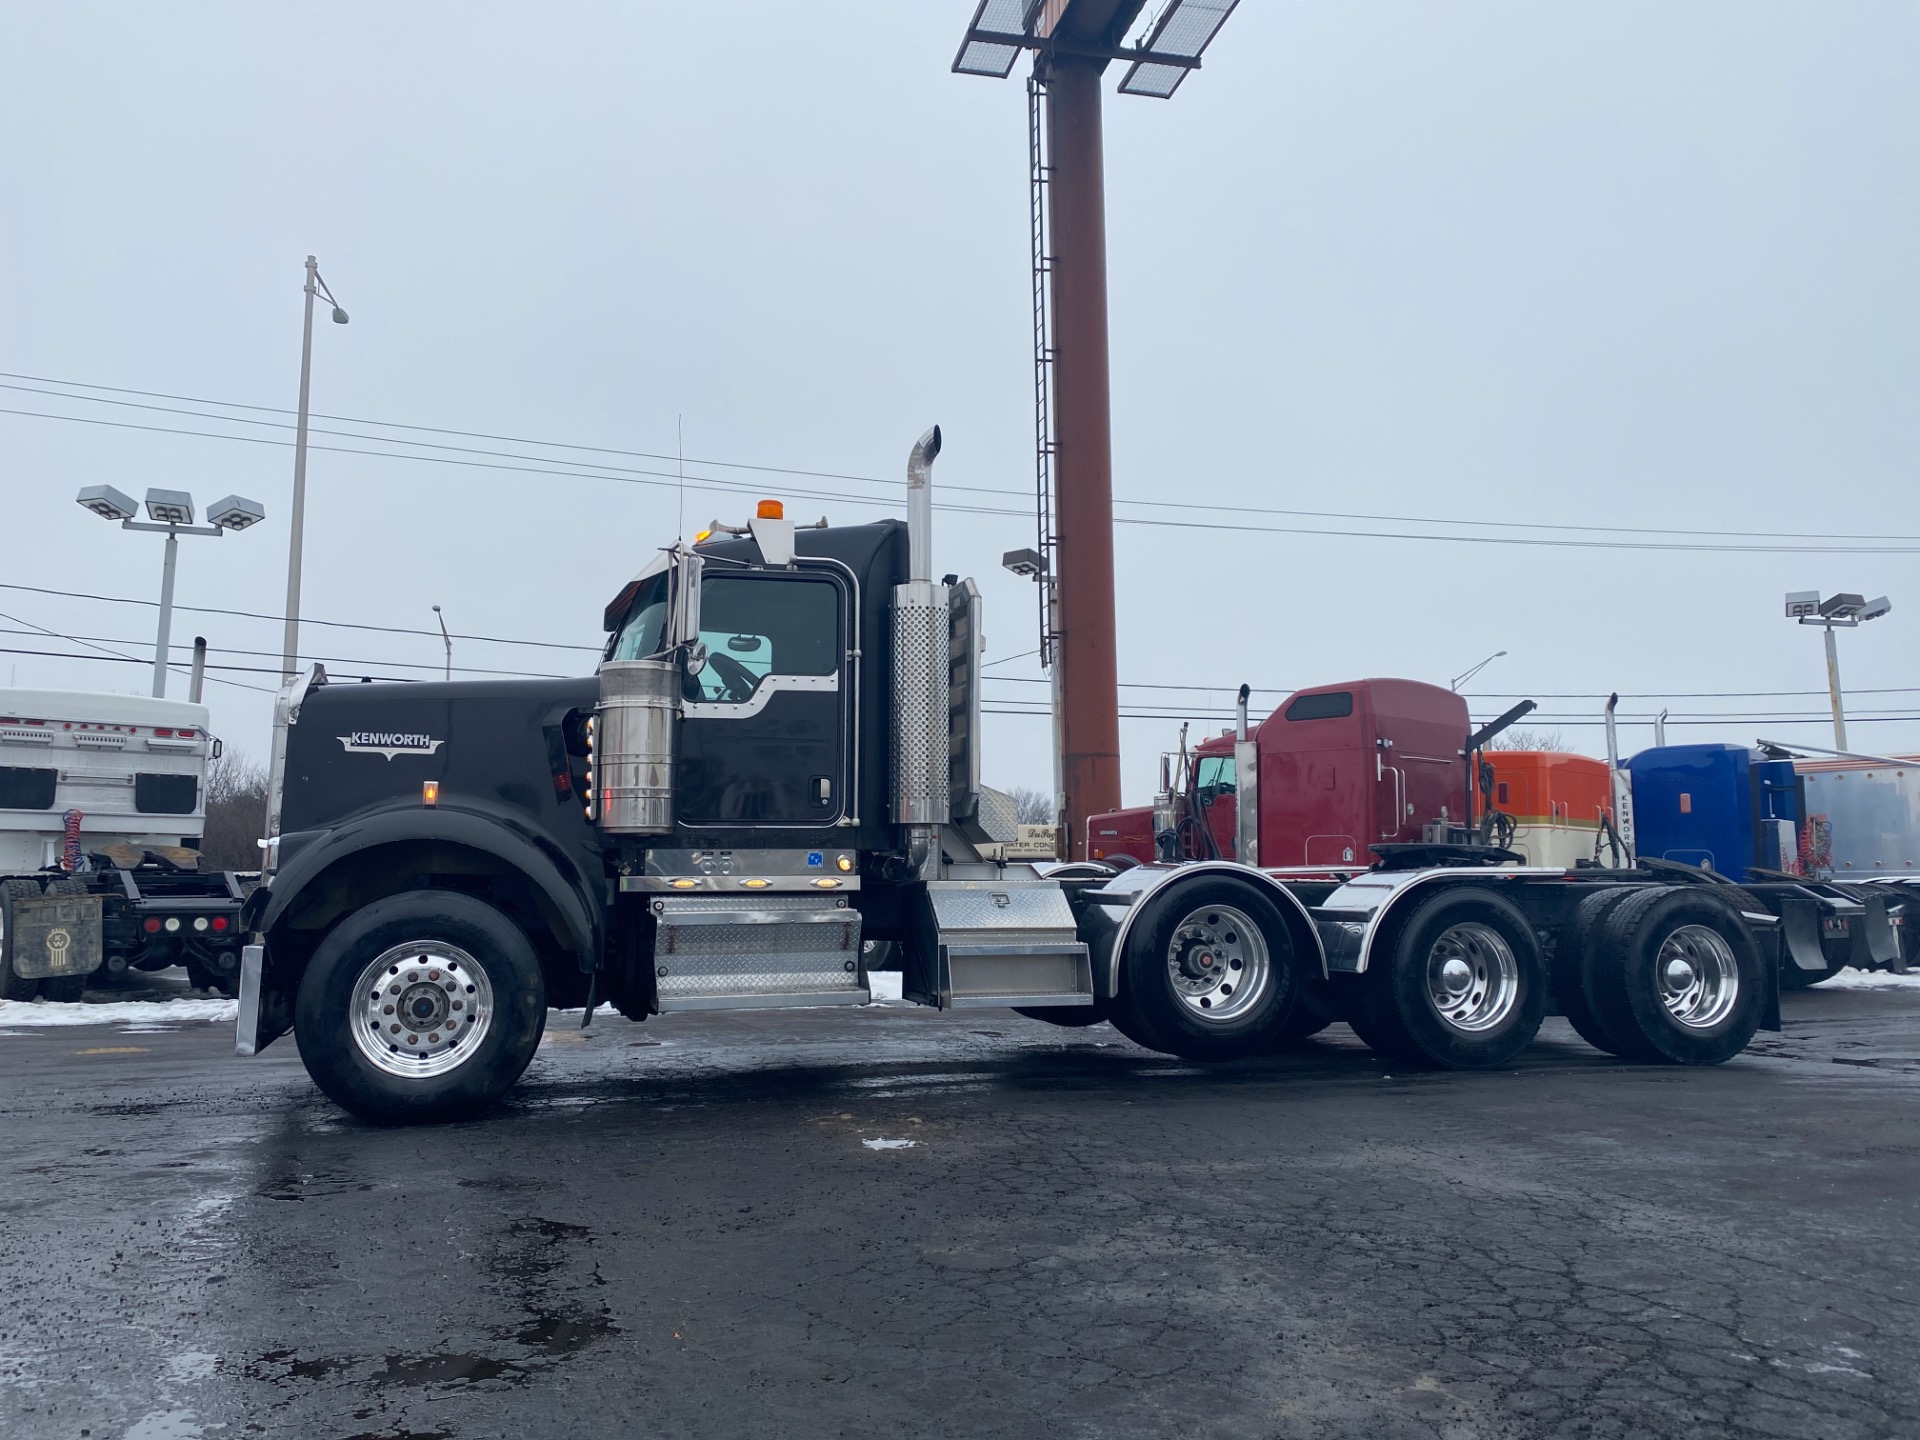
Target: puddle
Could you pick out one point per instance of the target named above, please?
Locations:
(438, 1369)
(564, 1334)
(889, 1144)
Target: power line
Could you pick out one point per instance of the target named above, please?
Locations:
(842, 475)
(112, 654)
(304, 619)
(436, 667)
(632, 475)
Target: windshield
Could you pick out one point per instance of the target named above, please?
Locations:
(644, 631)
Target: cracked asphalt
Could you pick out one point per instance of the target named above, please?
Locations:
(684, 1228)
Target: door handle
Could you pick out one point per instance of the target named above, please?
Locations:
(822, 790)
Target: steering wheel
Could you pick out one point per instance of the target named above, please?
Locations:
(740, 682)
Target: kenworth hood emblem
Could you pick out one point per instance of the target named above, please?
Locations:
(389, 743)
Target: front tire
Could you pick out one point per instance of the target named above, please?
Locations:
(1464, 987)
(421, 1007)
(1210, 973)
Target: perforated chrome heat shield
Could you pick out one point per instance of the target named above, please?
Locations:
(921, 784)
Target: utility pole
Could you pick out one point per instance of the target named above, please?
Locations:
(290, 645)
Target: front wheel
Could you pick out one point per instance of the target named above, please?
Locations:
(422, 1006)
(1210, 973)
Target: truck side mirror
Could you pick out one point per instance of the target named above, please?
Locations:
(696, 654)
(687, 569)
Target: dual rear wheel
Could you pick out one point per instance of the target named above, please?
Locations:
(1658, 975)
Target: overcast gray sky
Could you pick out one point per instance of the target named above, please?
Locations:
(1638, 263)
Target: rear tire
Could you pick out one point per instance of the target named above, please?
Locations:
(1210, 972)
(1580, 949)
(448, 993)
(1682, 982)
(12, 986)
(1464, 987)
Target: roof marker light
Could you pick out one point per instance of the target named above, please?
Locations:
(770, 510)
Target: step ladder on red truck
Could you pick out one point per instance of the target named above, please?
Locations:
(777, 766)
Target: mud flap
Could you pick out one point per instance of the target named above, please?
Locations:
(56, 936)
(1874, 940)
(1800, 922)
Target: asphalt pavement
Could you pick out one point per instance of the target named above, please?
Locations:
(885, 1222)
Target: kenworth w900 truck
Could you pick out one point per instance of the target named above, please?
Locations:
(777, 764)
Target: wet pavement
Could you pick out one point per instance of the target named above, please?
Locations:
(693, 1228)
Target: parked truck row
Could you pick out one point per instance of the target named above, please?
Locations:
(771, 788)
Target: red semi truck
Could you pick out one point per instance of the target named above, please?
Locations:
(1339, 769)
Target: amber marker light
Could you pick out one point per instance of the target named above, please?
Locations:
(683, 884)
(756, 883)
(845, 862)
(826, 884)
(429, 792)
(770, 510)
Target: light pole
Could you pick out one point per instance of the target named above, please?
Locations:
(290, 648)
(1459, 680)
(445, 639)
(1846, 611)
(171, 512)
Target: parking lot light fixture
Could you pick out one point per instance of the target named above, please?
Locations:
(1844, 610)
(170, 514)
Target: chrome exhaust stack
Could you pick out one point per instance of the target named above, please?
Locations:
(1246, 784)
(633, 729)
(922, 792)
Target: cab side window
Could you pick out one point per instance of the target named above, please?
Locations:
(756, 628)
(1214, 778)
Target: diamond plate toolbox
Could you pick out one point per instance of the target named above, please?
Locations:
(715, 950)
(56, 935)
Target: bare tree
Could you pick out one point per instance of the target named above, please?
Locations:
(1035, 806)
(1525, 738)
(236, 813)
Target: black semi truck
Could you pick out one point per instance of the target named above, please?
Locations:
(771, 788)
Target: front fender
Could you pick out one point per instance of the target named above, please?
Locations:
(501, 836)
(1113, 908)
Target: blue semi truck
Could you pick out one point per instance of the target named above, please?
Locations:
(1842, 876)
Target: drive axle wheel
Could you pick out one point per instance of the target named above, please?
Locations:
(1683, 982)
(1209, 972)
(1463, 987)
(1580, 950)
(422, 1006)
(12, 986)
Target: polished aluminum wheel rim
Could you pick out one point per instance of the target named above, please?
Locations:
(421, 1010)
(1218, 963)
(1699, 978)
(1473, 980)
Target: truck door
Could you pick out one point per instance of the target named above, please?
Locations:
(763, 738)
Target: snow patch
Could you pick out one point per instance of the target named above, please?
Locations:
(147, 1015)
(1846, 980)
(889, 1144)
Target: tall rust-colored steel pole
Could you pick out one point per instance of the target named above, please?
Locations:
(1089, 687)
